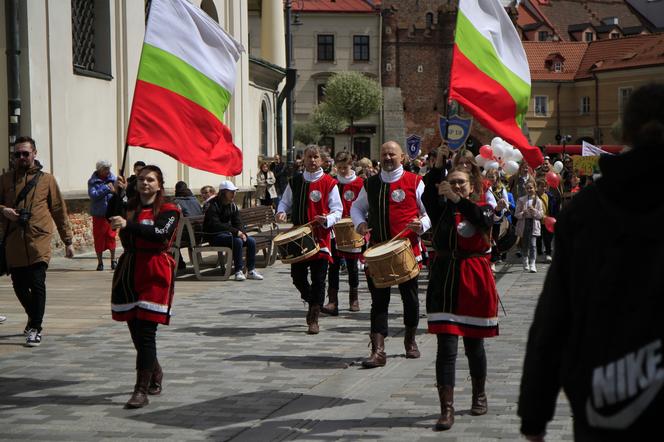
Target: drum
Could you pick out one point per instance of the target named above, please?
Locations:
(346, 237)
(296, 245)
(391, 263)
(506, 236)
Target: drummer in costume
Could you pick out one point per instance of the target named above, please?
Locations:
(350, 186)
(312, 196)
(461, 297)
(143, 281)
(389, 203)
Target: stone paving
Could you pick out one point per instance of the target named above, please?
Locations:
(239, 366)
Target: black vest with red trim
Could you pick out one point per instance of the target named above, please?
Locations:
(392, 206)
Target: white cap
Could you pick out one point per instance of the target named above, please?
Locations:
(227, 185)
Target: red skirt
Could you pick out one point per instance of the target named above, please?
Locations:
(102, 234)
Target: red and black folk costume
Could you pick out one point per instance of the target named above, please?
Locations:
(462, 299)
(306, 196)
(392, 200)
(349, 189)
(143, 286)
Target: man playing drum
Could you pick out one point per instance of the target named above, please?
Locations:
(312, 197)
(389, 203)
(349, 186)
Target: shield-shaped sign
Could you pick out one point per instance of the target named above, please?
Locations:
(457, 132)
(413, 143)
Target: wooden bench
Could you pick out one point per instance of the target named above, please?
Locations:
(258, 223)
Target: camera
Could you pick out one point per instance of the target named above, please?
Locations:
(24, 216)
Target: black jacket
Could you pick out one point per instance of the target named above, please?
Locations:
(221, 218)
(598, 327)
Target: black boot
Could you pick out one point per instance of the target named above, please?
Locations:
(353, 300)
(139, 398)
(446, 396)
(314, 312)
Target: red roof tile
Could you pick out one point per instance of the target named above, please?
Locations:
(622, 53)
(361, 6)
(539, 51)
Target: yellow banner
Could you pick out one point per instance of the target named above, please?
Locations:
(585, 165)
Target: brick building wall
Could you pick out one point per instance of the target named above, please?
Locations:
(418, 38)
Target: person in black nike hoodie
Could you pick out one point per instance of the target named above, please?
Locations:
(598, 328)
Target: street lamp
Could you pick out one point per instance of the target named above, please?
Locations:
(289, 67)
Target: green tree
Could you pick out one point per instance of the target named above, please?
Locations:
(352, 96)
(306, 133)
(327, 122)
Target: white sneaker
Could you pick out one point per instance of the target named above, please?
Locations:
(548, 259)
(533, 269)
(253, 274)
(239, 276)
(526, 265)
(34, 338)
(3, 318)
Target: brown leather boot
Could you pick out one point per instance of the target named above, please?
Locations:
(314, 312)
(332, 307)
(446, 396)
(353, 300)
(140, 397)
(157, 378)
(412, 352)
(378, 357)
(479, 405)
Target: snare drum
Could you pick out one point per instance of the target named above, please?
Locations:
(346, 237)
(296, 245)
(391, 263)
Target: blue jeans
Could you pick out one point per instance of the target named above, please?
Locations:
(235, 243)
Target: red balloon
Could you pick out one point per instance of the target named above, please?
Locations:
(486, 152)
(552, 179)
(549, 222)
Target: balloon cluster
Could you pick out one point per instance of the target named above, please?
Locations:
(499, 155)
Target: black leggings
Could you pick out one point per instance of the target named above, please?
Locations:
(143, 334)
(447, 354)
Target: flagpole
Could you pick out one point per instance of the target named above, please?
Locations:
(449, 79)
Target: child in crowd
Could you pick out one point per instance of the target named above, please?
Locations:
(529, 212)
(550, 206)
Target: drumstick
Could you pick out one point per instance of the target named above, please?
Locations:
(401, 233)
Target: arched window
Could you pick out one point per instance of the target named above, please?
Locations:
(210, 9)
(264, 129)
(429, 20)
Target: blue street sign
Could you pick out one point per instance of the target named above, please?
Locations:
(458, 131)
(413, 143)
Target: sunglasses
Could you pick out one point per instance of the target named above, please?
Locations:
(22, 153)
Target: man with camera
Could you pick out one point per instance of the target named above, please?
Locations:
(30, 202)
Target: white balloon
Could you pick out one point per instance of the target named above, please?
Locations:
(496, 141)
(517, 155)
(558, 166)
(499, 150)
(480, 160)
(491, 165)
(511, 167)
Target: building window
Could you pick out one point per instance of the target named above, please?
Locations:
(264, 129)
(557, 66)
(91, 38)
(541, 105)
(584, 105)
(326, 47)
(614, 35)
(589, 36)
(360, 48)
(623, 96)
(429, 20)
(543, 35)
(320, 93)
